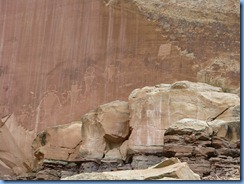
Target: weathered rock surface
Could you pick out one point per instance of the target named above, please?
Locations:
(56, 169)
(101, 141)
(174, 171)
(114, 117)
(145, 161)
(58, 142)
(14, 149)
(202, 23)
(81, 68)
(94, 143)
(208, 153)
(105, 129)
(104, 139)
(98, 135)
(154, 109)
(229, 130)
(105, 50)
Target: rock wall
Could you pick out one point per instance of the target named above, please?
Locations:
(204, 131)
(62, 58)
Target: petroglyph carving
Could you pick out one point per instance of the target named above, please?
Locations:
(89, 78)
(110, 73)
(74, 94)
(48, 105)
(49, 102)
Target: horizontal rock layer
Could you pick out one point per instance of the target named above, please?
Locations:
(208, 153)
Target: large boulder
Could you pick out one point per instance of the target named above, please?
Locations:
(103, 129)
(154, 109)
(99, 132)
(114, 117)
(58, 142)
(94, 144)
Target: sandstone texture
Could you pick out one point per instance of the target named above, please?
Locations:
(208, 153)
(173, 171)
(14, 152)
(63, 58)
(104, 130)
(154, 109)
(58, 142)
(203, 131)
(99, 133)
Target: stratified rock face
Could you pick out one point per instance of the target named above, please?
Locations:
(154, 109)
(212, 149)
(61, 58)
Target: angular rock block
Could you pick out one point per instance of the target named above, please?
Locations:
(154, 109)
(58, 142)
(104, 129)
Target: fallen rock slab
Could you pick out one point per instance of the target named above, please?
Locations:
(174, 171)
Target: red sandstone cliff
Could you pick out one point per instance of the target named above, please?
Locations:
(61, 58)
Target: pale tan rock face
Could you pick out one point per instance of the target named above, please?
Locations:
(99, 132)
(58, 142)
(104, 128)
(14, 152)
(94, 144)
(114, 117)
(154, 109)
(230, 130)
(113, 155)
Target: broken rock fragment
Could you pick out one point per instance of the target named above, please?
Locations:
(173, 169)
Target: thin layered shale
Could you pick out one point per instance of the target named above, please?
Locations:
(195, 122)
